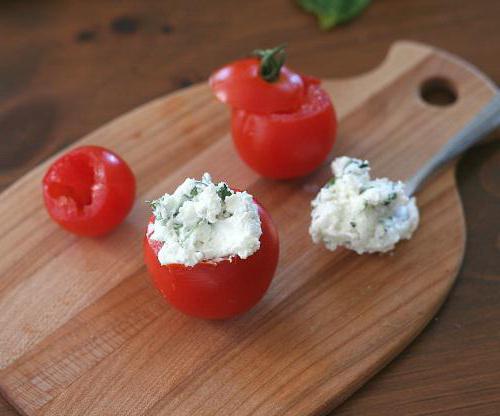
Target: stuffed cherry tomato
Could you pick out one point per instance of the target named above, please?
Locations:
(282, 128)
(89, 190)
(211, 251)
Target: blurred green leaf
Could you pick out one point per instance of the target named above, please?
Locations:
(333, 12)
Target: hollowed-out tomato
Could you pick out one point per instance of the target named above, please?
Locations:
(287, 145)
(89, 190)
(217, 289)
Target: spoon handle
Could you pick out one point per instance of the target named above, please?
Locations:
(483, 123)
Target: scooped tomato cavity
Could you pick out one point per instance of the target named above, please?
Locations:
(283, 123)
(89, 190)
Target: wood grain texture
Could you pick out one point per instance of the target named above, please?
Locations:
(67, 55)
(97, 339)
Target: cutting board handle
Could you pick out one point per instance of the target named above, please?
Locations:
(487, 120)
(416, 87)
(449, 75)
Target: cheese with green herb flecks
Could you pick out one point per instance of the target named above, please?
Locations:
(363, 214)
(205, 221)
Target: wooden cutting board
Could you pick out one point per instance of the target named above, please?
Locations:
(82, 331)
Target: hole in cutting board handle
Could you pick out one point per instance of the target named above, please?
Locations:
(438, 91)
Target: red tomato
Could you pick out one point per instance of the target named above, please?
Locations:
(240, 85)
(283, 123)
(217, 290)
(89, 190)
(287, 145)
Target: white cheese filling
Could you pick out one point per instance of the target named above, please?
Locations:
(365, 215)
(205, 221)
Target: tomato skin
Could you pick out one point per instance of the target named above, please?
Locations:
(217, 290)
(287, 145)
(89, 190)
(240, 85)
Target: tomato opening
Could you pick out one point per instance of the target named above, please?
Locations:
(73, 180)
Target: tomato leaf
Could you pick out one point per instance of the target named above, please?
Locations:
(333, 12)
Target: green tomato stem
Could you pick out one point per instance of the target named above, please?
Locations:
(271, 61)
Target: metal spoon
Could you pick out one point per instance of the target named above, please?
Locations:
(487, 120)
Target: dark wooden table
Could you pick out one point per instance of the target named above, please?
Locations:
(66, 67)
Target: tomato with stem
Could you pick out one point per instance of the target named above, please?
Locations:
(240, 85)
(282, 127)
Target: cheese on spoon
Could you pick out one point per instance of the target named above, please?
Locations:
(362, 214)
